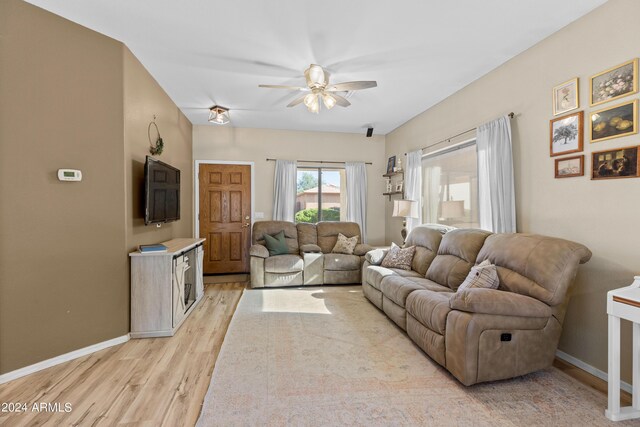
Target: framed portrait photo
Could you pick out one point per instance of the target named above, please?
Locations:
(615, 163)
(565, 97)
(614, 122)
(399, 186)
(391, 163)
(614, 83)
(570, 166)
(566, 134)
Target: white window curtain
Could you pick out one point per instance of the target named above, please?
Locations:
(496, 193)
(413, 185)
(432, 197)
(284, 190)
(356, 174)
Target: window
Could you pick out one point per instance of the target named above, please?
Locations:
(450, 186)
(321, 195)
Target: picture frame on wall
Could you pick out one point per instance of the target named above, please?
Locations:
(399, 186)
(614, 83)
(391, 163)
(614, 122)
(565, 97)
(566, 134)
(615, 163)
(568, 167)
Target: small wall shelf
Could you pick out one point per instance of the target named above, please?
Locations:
(389, 176)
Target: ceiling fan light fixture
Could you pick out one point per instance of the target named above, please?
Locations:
(312, 101)
(316, 76)
(219, 115)
(328, 100)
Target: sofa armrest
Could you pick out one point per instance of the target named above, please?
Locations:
(362, 248)
(259, 251)
(376, 256)
(310, 248)
(492, 301)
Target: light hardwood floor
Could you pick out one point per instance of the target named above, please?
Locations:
(144, 382)
(152, 382)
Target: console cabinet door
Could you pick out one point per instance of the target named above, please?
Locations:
(178, 290)
(199, 272)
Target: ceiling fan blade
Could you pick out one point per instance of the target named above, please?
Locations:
(348, 86)
(341, 101)
(296, 101)
(283, 87)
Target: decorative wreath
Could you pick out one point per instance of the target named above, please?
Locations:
(157, 147)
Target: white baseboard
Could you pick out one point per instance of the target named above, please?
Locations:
(590, 369)
(10, 376)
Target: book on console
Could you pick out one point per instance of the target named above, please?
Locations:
(152, 248)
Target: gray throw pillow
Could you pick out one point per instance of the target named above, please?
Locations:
(276, 244)
(398, 257)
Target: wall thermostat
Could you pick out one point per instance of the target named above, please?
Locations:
(69, 175)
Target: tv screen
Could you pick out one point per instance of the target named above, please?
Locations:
(161, 192)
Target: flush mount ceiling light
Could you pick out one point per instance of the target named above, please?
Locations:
(319, 90)
(219, 115)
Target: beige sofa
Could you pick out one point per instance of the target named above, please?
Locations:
(479, 334)
(310, 261)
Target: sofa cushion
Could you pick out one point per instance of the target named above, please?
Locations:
(307, 234)
(284, 264)
(538, 266)
(260, 228)
(399, 257)
(397, 288)
(341, 262)
(276, 244)
(429, 284)
(345, 245)
(328, 233)
(430, 308)
(457, 253)
(344, 277)
(374, 274)
(426, 240)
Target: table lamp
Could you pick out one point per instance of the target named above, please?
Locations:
(405, 209)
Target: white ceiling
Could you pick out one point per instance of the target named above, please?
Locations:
(206, 52)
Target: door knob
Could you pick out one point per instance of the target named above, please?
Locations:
(246, 217)
(246, 224)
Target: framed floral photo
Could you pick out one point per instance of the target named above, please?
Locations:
(570, 166)
(614, 83)
(614, 122)
(566, 134)
(565, 97)
(615, 163)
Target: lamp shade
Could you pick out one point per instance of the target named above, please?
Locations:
(405, 208)
(453, 209)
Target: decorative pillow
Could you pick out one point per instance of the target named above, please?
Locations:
(345, 245)
(483, 275)
(398, 257)
(276, 244)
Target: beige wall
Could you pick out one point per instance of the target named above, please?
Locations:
(63, 270)
(144, 98)
(255, 145)
(603, 215)
(72, 98)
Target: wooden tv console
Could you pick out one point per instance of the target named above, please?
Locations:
(160, 301)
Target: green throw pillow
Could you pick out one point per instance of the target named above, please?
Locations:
(276, 244)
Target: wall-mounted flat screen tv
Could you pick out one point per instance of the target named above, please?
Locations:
(161, 192)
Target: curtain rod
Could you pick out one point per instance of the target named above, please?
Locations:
(511, 116)
(317, 161)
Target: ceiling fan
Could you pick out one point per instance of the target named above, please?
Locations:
(319, 89)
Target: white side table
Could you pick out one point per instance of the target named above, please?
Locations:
(623, 303)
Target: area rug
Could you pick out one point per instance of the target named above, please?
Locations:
(326, 356)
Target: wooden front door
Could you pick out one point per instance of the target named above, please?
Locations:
(225, 217)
